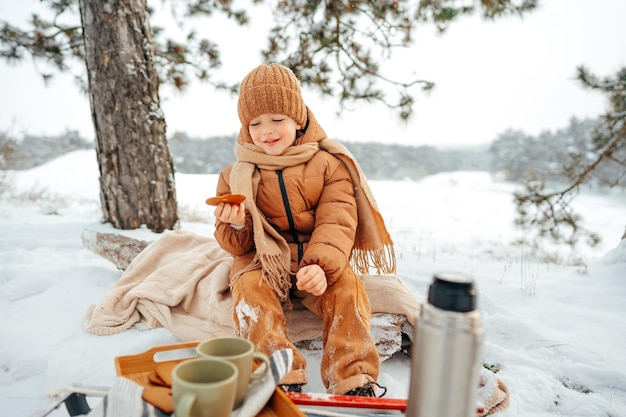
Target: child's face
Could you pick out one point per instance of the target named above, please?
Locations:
(273, 132)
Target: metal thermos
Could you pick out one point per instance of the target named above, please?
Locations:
(446, 352)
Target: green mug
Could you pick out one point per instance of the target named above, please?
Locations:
(241, 353)
(204, 387)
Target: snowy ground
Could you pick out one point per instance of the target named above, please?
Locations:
(557, 332)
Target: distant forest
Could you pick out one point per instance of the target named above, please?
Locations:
(515, 154)
(211, 155)
(377, 160)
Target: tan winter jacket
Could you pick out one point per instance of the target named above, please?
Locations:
(323, 209)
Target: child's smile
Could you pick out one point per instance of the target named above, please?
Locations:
(273, 133)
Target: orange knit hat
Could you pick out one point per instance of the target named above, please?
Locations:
(271, 89)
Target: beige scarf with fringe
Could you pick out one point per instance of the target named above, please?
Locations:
(373, 246)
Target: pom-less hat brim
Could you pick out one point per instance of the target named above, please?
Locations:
(271, 89)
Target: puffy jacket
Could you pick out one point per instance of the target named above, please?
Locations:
(320, 198)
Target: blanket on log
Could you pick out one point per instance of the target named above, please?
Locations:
(180, 282)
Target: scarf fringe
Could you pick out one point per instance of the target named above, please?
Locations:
(275, 274)
(382, 259)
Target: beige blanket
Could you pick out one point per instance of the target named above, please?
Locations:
(180, 282)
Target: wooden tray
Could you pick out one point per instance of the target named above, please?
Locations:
(137, 368)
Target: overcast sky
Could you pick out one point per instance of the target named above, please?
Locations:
(515, 73)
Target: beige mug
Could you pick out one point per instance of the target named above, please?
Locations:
(204, 387)
(241, 353)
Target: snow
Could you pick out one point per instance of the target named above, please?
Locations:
(557, 332)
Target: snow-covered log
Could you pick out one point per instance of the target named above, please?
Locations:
(118, 249)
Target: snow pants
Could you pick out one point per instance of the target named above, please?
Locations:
(350, 359)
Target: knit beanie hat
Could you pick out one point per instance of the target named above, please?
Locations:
(271, 89)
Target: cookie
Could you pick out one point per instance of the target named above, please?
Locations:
(160, 397)
(164, 371)
(155, 379)
(226, 198)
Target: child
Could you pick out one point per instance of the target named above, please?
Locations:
(308, 214)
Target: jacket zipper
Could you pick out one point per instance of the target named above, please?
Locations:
(292, 227)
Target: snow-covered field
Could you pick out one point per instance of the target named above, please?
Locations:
(557, 332)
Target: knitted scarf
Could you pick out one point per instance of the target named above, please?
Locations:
(373, 246)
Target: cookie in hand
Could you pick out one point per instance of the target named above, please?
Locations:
(226, 198)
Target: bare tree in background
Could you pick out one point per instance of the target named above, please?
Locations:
(7, 149)
(549, 212)
(136, 169)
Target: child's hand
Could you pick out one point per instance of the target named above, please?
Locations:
(311, 279)
(234, 214)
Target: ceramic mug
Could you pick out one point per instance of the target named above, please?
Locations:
(241, 353)
(204, 387)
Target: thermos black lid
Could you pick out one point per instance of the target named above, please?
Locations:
(452, 291)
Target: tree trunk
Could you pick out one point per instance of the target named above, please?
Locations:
(136, 169)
